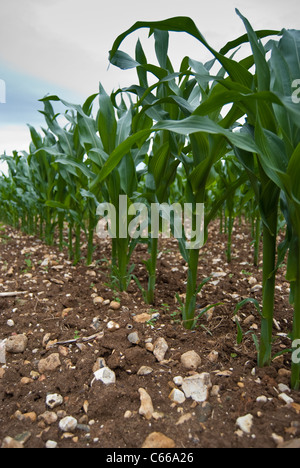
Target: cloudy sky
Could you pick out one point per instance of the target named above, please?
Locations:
(61, 47)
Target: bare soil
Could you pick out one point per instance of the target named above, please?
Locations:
(58, 306)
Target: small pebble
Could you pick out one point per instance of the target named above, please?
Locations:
(16, 343)
(53, 400)
(262, 399)
(284, 397)
(178, 380)
(106, 375)
(68, 424)
(177, 396)
(144, 370)
(245, 423)
(51, 444)
(133, 338)
(283, 388)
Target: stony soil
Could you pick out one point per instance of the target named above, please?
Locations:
(58, 306)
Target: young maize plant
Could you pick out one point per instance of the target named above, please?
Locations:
(17, 191)
(280, 156)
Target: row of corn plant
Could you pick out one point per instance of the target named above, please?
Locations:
(271, 128)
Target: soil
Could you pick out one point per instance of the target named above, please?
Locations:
(58, 306)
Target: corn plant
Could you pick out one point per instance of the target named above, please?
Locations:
(280, 154)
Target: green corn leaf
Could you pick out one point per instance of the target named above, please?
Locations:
(293, 172)
(245, 38)
(246, 301)
(72, 163)
(123, 61)
(117, 154)
(107, 124)
(88, 132)
(128, 177)
(272, 155)
(262, 68)
(88, 104)
(141, 59)
(289, 46)
(187, 25)
(161, 46)
(194, 124)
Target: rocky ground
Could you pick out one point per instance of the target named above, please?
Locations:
(82, 365)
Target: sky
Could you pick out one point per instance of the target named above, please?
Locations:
(61, 47)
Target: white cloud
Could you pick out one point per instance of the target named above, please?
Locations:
(18, 134)
(67, 41)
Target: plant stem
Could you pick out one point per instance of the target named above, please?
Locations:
(90, 239)
(152, 271)
(122, 247)
(295, 368)
(61, 229)
(70, 240)
(257, 240)
(77, 244)
(229, 241)
(269, 276)
(190, 300)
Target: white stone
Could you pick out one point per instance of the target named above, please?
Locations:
(252, 281)
(197, 386)
(277, 438)
(51, 444)
(262, 399)
(177, 396)
(190, 360)
(178, 380)
(68, 424)
(2, 352)
(53, 400)
(283, 388)
(106, 375)
(245, 423)
(144, 370)
(284, 397)
(10, 323)
(160, 348)
(112, 326)
(134, 337)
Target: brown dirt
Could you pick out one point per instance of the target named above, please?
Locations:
(42, 311)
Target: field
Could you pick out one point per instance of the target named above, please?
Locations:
(59, 306)
(135, 339)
